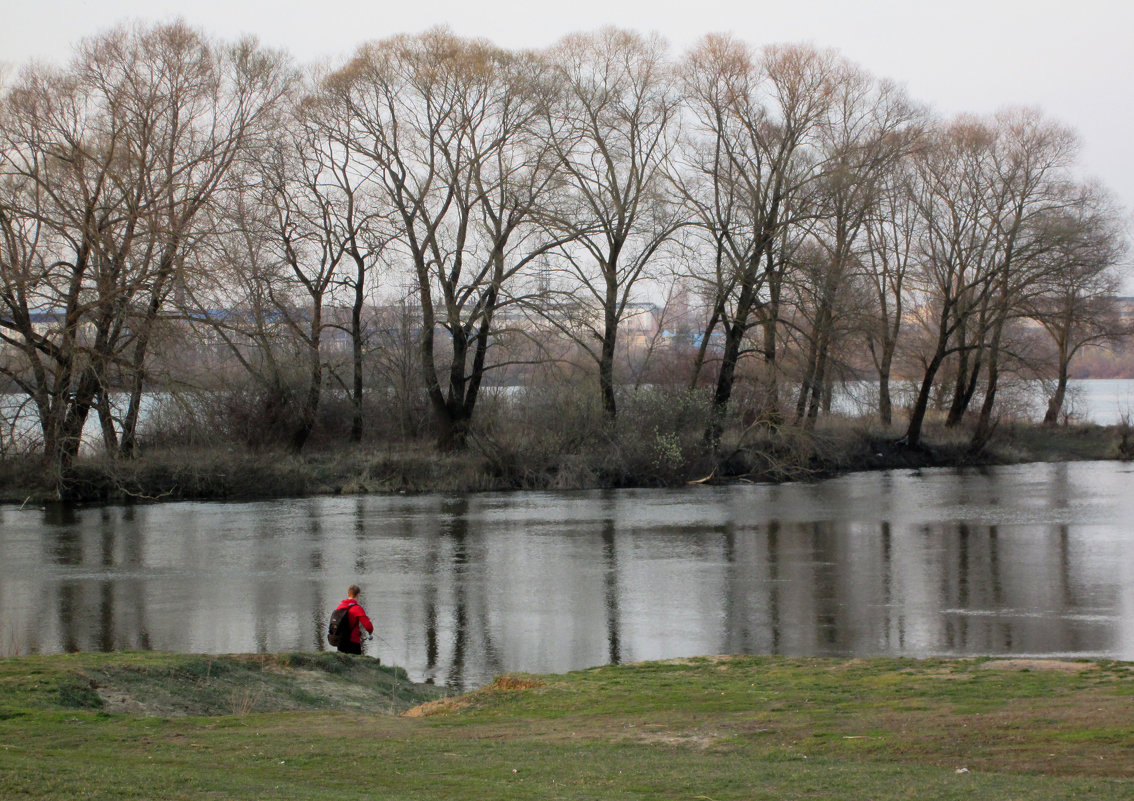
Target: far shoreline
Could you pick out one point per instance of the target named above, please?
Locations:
(786, 454)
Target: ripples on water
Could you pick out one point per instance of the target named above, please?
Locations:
(1031, 560)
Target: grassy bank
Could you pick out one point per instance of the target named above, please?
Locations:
(726, 728)
(619, 458)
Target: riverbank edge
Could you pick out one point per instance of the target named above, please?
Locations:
(774, 456)
(716, 726)
(166, 684)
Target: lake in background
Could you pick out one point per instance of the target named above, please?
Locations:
(1094, 400)
(1102, 400)
(1029, 560)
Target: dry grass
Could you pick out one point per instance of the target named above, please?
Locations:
(512, 681)
(646, 448)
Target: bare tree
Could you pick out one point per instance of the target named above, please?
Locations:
(243, 300)
(1029, 166)
(220, 103)
(65, 220)
(1074, 296)
(326, 232)
(871, 126)
(613, 131)
(756, 153)
(354, 217)
(451, 125)
(954, 277)
(117, 155)
(891, 233)
(308, 241)
(983, 187)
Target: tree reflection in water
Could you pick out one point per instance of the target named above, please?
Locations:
(1031, 560)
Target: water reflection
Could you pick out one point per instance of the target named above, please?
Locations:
(1033, 560)
(610, 594)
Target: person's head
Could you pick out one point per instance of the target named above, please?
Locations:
(353, 590)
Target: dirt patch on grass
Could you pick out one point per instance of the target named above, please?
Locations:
(511, 682)
(697, 736)
(117, 702)
(443, 706)
(714, 659)
(1061, 665)
(700, 741)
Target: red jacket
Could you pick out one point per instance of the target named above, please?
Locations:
(358, 618)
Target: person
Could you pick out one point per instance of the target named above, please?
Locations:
(358, 621)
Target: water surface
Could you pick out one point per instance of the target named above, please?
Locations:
(1034, 560)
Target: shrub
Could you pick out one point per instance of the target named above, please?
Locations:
(1123, 447)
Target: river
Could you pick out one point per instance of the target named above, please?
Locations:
(1028, 560)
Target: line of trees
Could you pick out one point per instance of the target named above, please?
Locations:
(518, 207)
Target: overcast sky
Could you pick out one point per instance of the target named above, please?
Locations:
(1074, 59)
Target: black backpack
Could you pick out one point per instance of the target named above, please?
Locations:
(338, 632)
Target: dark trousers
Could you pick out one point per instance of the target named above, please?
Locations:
(351, 648)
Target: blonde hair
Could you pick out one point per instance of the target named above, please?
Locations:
(353, 590)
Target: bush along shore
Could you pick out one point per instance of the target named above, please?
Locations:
(623, 457)
(316, 726)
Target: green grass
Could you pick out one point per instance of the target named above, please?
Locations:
(716, 729)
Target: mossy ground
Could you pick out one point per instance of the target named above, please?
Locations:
(172, 685)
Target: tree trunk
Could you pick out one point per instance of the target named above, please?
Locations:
(702, 349)
(734, 338)
(820, 387)
(805, 384)
(606, 378)
(984, 421)
(885, 404)
(984, 424)
(309, 410)
(106, 421)
(967, 381)
(609, 342)
(734, 334)
(921, 404)
(451, 410)
(771, 369)
(807, 406)
(158, 294)
(770, 313)
(70, 437)
(1055, 403)
(356, 352)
